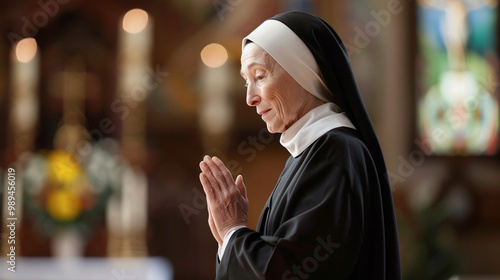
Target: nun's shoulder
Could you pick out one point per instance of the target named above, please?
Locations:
(341, 145)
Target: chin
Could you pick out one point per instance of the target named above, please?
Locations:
(273, 129)
(270, 130)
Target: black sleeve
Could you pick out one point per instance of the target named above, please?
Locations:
(319, 232)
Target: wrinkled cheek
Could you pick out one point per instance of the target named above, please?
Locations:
(279, 122)
(282, 116)
(278, 105)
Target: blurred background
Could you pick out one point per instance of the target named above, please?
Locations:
(107, 107)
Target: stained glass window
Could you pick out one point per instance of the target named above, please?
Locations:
(458, 108)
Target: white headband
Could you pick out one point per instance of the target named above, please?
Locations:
(292, 54)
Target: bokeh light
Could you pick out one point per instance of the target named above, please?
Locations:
(214, 55)
(26, 50)
(135, 21)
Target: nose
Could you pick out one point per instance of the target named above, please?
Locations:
(253, 98)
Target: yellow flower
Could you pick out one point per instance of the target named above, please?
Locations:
(63, 167)
(63, 204)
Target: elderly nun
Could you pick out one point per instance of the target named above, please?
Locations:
(331, 214)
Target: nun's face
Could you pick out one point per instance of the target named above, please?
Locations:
(278, 98)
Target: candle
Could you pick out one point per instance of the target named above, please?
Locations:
(134, 56)
(24, 102)
(216, 110)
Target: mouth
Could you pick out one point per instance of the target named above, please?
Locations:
(262, 113)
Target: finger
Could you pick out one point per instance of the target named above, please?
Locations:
(222, 167)
(207, 187)
(217, 174)
(209, 175)
(204, 167)
(241, 186)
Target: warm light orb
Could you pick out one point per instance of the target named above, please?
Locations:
(214, 55)
(135, 21)
(26, 50)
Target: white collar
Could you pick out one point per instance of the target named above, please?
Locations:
(313, 125)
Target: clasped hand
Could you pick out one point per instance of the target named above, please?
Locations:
(226, 199)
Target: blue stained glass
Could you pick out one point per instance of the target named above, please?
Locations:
(458, 108)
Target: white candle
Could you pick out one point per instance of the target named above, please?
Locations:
(134, 201)
(134, 56)
(24, 102)
(216, 110)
